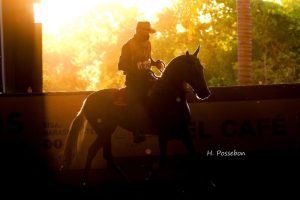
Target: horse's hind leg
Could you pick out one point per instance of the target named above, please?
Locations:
(107, 154)
(103, 139)
(92, 152)
(71, 140)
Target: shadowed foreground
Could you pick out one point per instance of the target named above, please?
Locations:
(268, 172)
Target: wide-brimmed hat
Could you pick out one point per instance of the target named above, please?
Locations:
(145, 26)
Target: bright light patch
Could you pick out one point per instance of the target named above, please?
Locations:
(37, 13)
(55, 14)
(206, 18)
(76, 29)
(180, 28)
(158, 35)
(275, 1)
(148, 151)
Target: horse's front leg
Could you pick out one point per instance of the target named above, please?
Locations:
(163, 147)
(188, 142)
(191, 165)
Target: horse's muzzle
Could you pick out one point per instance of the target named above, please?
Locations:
(202, 94)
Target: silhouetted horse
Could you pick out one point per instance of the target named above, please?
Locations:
(166, 105)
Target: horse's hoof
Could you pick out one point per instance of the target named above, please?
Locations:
(61, 168)
(83, 183)
(149, 176)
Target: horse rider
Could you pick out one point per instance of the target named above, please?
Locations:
(135, 61)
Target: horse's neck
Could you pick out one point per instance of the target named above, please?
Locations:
(170, 86)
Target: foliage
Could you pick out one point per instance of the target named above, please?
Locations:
(276, 42)
(211, 25)
(84, 55)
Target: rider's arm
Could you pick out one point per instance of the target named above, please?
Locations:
(158, 63)
(125, 60)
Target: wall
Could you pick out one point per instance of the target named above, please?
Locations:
(244, 119)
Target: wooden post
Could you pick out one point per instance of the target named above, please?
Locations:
(22, 66)
(244, 29)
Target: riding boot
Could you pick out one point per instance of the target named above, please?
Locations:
(141, 122)
(138, 115)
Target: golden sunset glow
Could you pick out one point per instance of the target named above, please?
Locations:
(75, 27)
(57, 13)
(82, 39)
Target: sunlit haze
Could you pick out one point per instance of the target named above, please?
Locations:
(82, 39)
(74, 27)
(57, 13)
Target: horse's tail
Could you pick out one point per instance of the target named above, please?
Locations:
(74, 138)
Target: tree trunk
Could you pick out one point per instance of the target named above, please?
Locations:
(244, 29)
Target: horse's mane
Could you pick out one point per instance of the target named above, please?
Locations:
(173, 65)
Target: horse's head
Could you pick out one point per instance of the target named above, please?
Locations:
(193, 74)
(187, 69)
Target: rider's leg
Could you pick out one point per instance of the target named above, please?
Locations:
(141, 122)
(139, 117)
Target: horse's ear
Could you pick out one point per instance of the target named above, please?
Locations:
(187, 53)
(196, 52)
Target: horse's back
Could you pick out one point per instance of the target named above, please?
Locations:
(99, 101)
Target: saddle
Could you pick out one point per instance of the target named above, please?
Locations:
(123, 97)
(138, 114)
